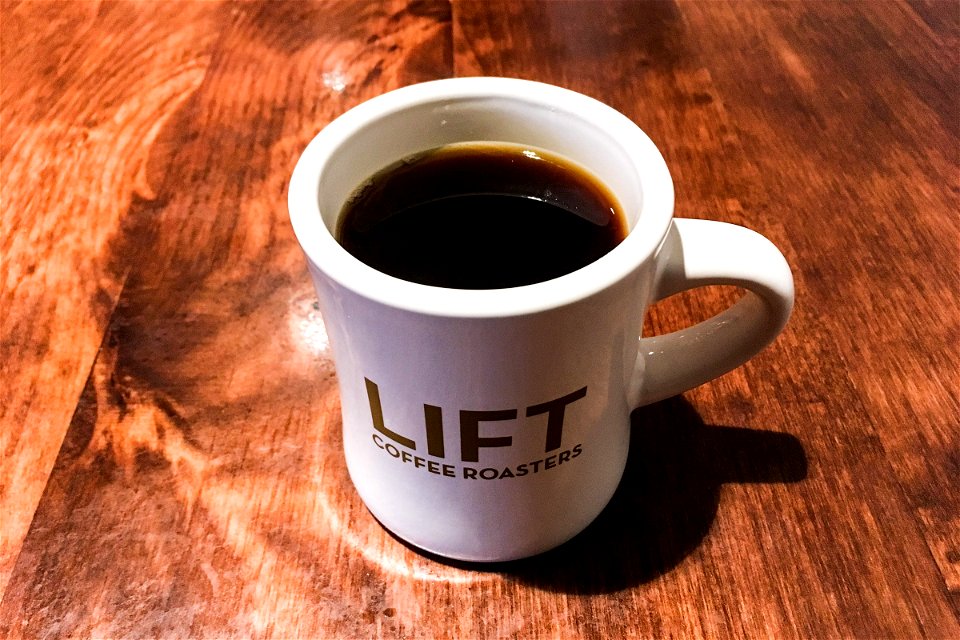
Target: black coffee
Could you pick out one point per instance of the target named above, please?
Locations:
(481, 216)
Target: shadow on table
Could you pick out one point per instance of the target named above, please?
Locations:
(665, 503)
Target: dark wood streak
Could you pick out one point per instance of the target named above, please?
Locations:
(169, 429)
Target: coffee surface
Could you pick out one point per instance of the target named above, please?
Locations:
(481, 216)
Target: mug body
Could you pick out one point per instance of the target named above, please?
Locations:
(494, 424)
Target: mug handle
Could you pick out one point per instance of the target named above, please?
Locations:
(697, 253)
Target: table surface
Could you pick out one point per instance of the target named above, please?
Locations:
(169, 426)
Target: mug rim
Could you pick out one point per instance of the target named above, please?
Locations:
(326, 255)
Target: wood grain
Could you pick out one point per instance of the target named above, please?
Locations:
(901, 143)
(169, 432)
(81, 114)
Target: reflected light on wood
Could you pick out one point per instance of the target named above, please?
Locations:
(307, 330)
(392, 557)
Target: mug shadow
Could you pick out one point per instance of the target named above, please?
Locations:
(665, 504)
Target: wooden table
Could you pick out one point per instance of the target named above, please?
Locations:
(169, 417)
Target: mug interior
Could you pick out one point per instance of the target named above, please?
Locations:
(420, 117)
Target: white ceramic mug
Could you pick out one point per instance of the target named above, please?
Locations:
(490, 425)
